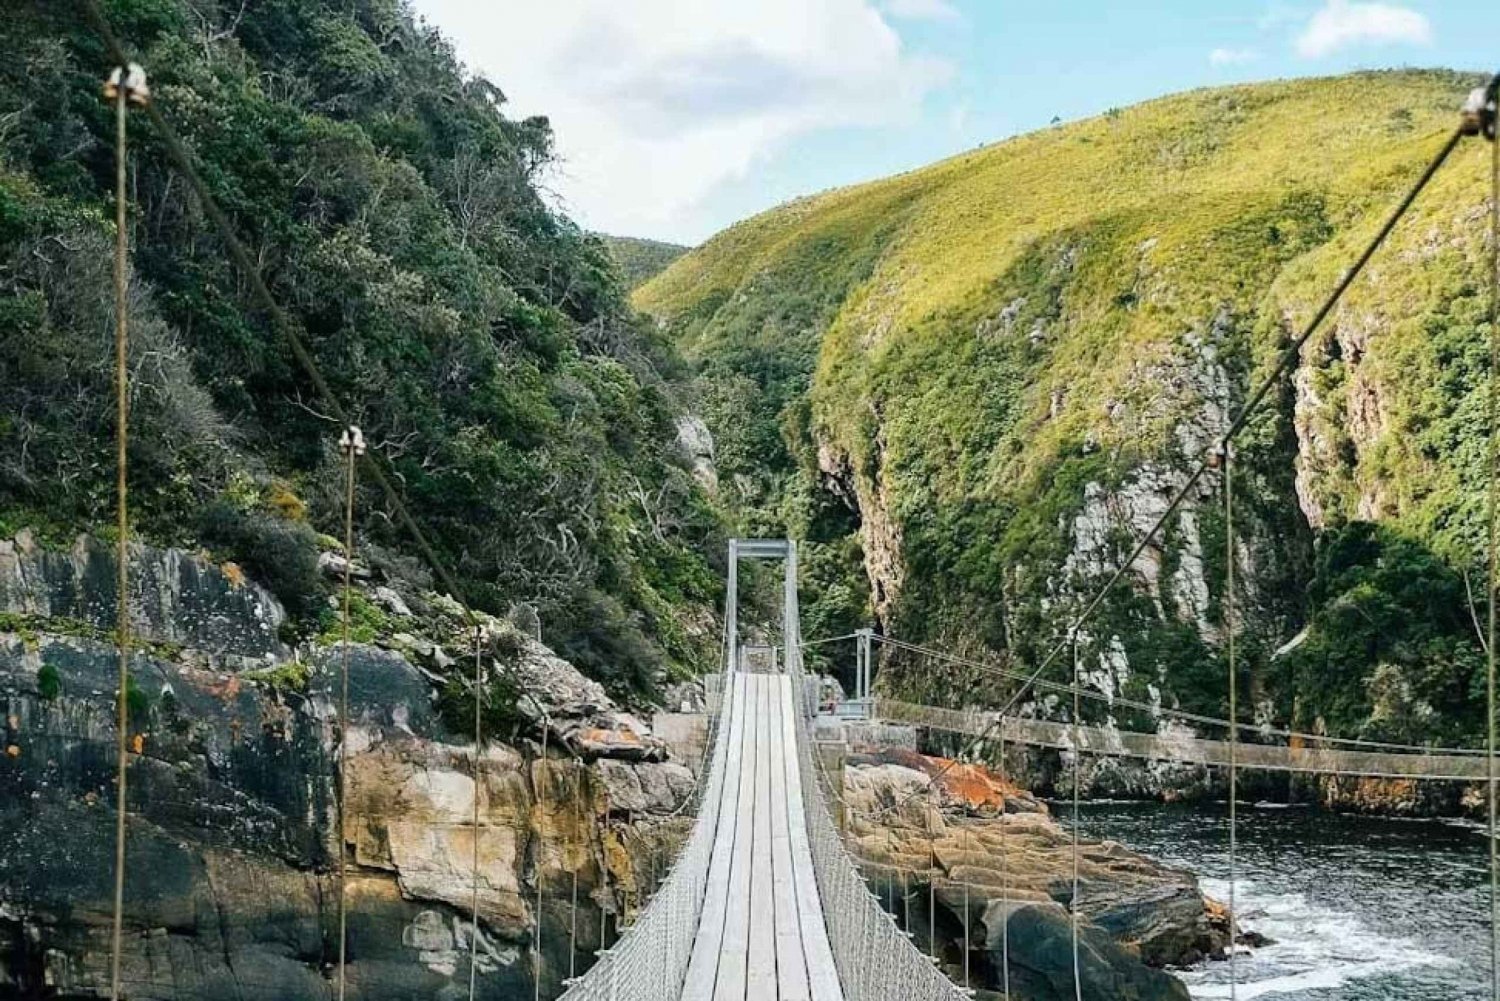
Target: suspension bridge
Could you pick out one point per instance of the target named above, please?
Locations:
(765, 901)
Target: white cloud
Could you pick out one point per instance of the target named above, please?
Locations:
(922, 10)
(958, 117)
(1342, 23)
(657, 103)
(1232, 57)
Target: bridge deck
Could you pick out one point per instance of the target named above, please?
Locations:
(761, 936)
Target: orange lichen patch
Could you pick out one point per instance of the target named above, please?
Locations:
(974, 786)
(138, 743)
(13, 751)
(233, 574)
(227, 690)
(595, 735)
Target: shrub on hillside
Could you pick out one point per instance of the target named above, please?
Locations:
(282, 555)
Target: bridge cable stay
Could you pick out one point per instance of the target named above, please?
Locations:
(352, 444)
(126, 86)
(1234, 730)
(930, 816)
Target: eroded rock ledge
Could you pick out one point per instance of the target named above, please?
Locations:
(981, 844)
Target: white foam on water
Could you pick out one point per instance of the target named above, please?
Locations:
(1314, 948)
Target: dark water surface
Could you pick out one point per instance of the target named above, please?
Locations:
(1361, 909)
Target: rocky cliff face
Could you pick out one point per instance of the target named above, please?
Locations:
(233, 838)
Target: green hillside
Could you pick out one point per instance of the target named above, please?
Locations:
(974, 384)
(483, 341)
(640, 260)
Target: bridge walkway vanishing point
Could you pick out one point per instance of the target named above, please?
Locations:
(764, 903)
(761, 936)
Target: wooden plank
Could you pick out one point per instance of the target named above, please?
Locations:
(823, 979)
(791, 959)
(734, 952)
(760, 980)
(703, 968)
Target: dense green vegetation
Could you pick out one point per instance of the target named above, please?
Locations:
(482, 340)
(996, 369)
(640, 260)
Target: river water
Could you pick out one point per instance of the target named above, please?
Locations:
(1360, 909)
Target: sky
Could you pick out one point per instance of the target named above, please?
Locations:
(675, 118)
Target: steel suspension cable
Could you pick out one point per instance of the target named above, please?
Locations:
(121, 94)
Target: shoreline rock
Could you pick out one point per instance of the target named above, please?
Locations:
(982, 846)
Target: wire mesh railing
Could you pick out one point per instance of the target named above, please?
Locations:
(876, 959)
(649, 962)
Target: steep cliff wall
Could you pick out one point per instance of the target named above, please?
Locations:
(233, 840)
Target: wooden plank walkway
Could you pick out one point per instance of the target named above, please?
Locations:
(761, 936)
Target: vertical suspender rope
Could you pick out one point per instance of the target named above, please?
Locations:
(968, 945)
(1077, 781)
(119, 88)
(1004, 874)
(905, 902)
(603, 868)
(1234, 717)
(931, 880)
(478, 738)
(541, 844)
(352, 444)
(573, 914)
(1493, 517)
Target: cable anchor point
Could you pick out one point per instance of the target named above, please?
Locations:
(352, 440)
(1479, 113)
(132, 79)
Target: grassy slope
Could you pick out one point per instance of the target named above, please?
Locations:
(983, 336)
(640, 260)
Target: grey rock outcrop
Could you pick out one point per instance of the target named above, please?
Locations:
(234, 830)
